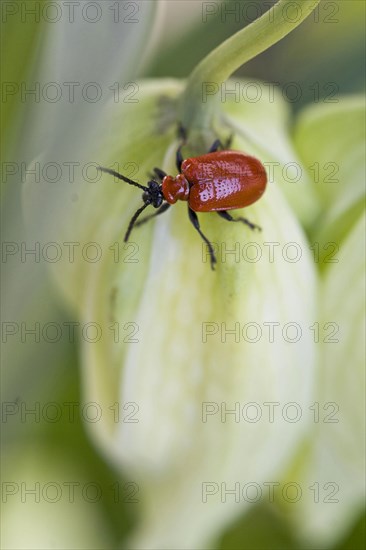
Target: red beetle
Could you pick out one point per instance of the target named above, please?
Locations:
(216, 182)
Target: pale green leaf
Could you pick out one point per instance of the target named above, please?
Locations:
(330, 140)
(333, 471)
(169, 296)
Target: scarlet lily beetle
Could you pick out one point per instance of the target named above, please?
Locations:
(215, 182)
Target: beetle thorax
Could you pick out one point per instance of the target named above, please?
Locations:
(175, 188)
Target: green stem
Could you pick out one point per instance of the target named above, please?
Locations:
(223, 61)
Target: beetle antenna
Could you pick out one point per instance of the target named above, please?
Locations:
(119, 176)
(134, 218)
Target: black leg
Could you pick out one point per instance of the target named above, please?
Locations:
(229, 218)
(194, 219)
(179, 158)
(229, 141)
(159, 173)
(182, 132)
(217, 144)
(160, 210)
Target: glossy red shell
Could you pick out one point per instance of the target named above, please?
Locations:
(224, 180)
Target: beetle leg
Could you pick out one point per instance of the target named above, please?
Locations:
(194, 219)
(229, 218)
(182, 132)
(159, 173)
(229, 141)
(163, 208)
(215, 146)
(179, 158)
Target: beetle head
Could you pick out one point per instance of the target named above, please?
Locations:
(153, 194)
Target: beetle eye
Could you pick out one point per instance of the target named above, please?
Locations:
(145, 196)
